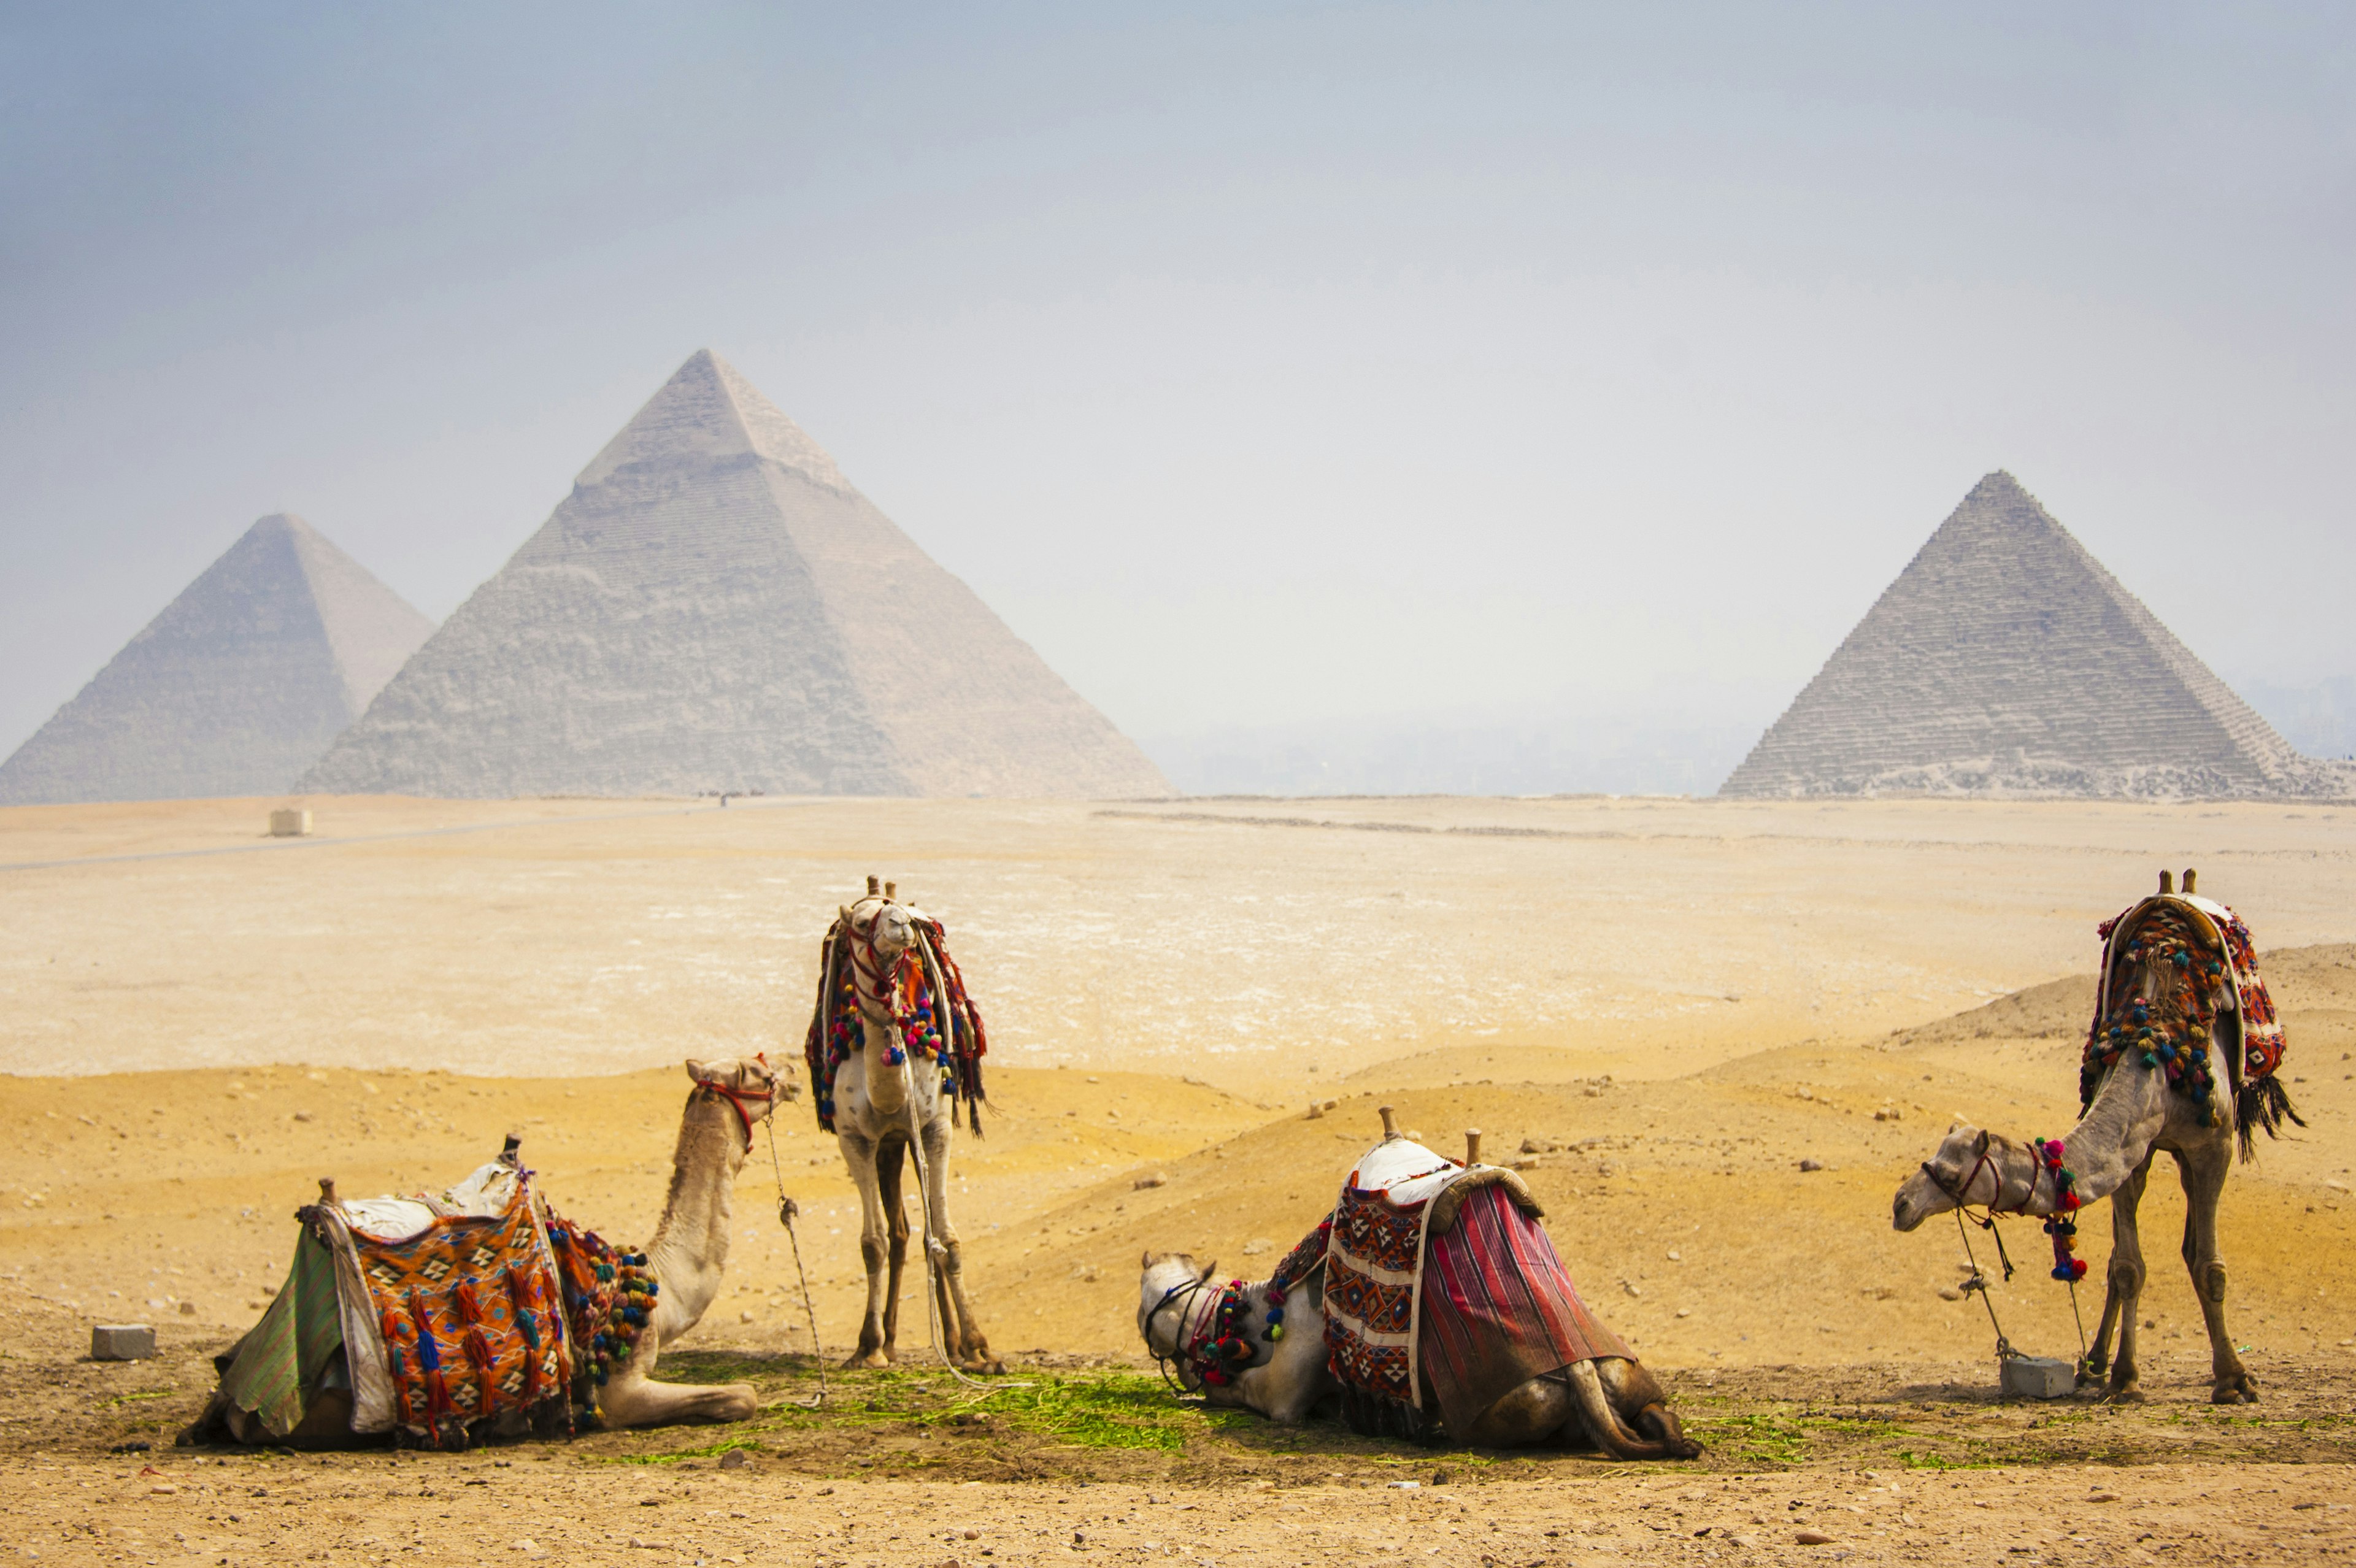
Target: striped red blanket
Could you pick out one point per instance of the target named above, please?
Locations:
(1499, 1308)
(1452, 1308)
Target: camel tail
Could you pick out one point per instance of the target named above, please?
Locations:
(2262, 1104)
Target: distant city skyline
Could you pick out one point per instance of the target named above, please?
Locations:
(1521, 393)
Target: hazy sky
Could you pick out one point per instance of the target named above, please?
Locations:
(1260, 365)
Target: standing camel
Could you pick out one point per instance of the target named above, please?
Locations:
(2178, 981)
(894, 1043)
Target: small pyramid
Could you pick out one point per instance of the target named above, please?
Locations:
(2005, 661)
(714, 608)
(236, 687)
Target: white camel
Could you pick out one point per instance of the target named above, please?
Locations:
(894, 1092)
(2135, 1110)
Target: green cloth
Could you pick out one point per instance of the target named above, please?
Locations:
(280, 1363)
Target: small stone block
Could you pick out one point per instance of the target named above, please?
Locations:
(122, 1342)
(290, 824)
(2038, 1377)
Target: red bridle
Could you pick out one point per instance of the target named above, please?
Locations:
(1960, 1193)
(738, 1097)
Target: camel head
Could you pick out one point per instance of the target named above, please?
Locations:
(745, 1082)
(1934, 1189)
(880, 933)
(1165, 1290)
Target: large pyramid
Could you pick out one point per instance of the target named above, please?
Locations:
(236, 687)
(715, 608)
(2005, 661)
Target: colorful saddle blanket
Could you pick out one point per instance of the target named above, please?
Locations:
(468, 1315)
(2211, 995)
(1439, 1279)
(939, 1022)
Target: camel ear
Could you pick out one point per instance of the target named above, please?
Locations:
(1144, 1261)
(697, 1070)
(1209, 1269)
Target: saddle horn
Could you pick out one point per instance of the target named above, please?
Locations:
(1471, 1148)
(2190, 874)
(328, 1190)
(872, 885)
(2168, 881)
(891, 889)
(1389, 1130)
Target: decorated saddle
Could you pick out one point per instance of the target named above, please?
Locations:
(932, 1017)
(440, 1320)
(2179, 990)
(1442, 1293)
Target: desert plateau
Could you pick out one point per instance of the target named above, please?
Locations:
(1711, 1036)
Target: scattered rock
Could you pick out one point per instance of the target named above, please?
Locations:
(1156, 1179)
(1949, 1293)
(1258, 1245)
(1812, 1164)
(2103, 1496)
(1813, 1538)
(1631, 1286)
(735, 1460)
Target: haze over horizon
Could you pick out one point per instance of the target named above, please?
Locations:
(1485, 398)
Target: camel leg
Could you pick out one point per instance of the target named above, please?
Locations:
(2203, 1172)
(633, 1400)
(859, 1154)
(1524, 1415)
(895, 1212)
(2125, 1279)
(1603, 1423)
(2115, 1308)
(969, 1347)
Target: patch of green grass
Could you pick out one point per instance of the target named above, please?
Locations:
(143, 1393)
(1760, 1437)
(1107, 1410)
(708, 1451)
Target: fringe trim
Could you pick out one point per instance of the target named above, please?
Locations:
(2261, 1103)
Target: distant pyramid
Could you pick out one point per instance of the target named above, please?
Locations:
(715, 608)
(235, 688)
(2005, 660)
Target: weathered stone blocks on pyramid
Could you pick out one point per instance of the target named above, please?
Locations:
(2005, 660)
(714, 608)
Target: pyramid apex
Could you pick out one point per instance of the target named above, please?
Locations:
(708, 410)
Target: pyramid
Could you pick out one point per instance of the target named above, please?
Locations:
(2005, 661)
(236, 687)
(714, 608)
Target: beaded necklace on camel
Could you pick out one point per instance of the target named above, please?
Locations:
(1222, 1349)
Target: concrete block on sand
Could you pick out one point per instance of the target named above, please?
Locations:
(2038, 1377)
(122, 1342)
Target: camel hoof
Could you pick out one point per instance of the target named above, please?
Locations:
(2124, 1394)
(985, 1366)
(866, 1359)
(2236, 1390)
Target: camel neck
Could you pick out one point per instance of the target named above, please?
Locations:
(887, 1081)
(2100, 1153)
(689, 1250)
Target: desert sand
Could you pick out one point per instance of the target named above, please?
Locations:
(1671, 1003)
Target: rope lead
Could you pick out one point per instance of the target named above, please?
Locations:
(786, 1212)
